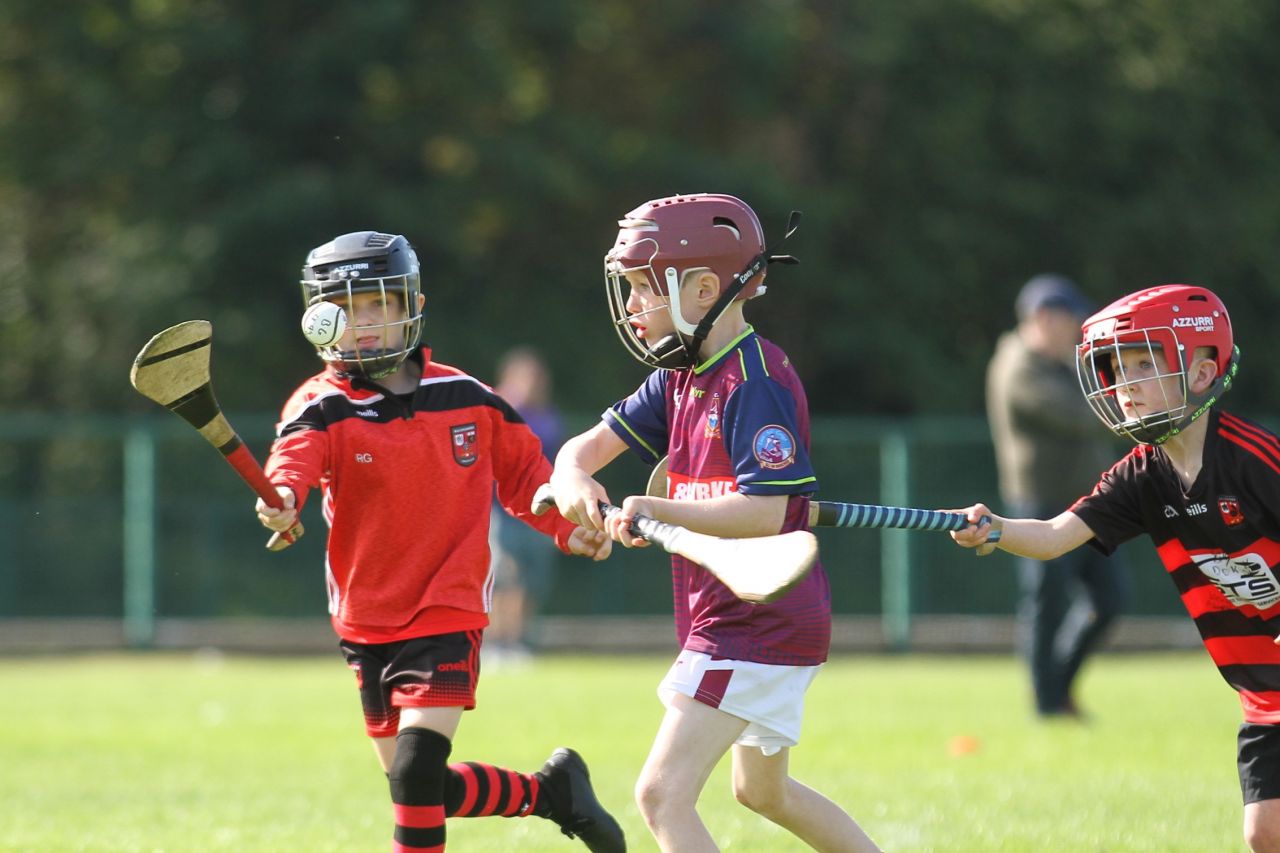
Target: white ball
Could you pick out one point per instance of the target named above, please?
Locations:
(324, 323)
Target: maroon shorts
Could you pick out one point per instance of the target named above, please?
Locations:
(439, 671)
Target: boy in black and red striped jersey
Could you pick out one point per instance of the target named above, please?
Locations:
(1203, 484)
(728, 409)
(406, 453)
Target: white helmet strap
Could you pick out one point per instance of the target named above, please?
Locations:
(673, 299)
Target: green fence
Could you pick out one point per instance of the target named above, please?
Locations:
(138, 518)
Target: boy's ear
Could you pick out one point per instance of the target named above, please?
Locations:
(1204, 373)
(708, 284)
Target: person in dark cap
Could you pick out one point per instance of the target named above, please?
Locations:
(1049, 451)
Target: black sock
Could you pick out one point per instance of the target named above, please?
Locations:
(417, 779)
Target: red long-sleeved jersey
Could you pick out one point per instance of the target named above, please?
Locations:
(408, 483)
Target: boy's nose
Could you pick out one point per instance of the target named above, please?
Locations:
(370, 317)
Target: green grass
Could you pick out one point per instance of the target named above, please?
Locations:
(202, 753)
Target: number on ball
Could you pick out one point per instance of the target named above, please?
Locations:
(324, 323)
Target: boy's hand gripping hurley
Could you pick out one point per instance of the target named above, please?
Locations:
(758, 569)
(841, 514)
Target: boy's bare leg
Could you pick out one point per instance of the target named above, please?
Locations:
(1262, 826)
(691, 740)
(442, 720)
(762, 784)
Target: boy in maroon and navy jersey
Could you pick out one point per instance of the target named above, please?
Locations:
(406, 453)
(736, 424)
(1203, 484)
(728, 410)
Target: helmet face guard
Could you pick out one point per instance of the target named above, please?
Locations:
(368, 262)
(1164, 325)
(671, 351)
(666, 239)
(1101, 372)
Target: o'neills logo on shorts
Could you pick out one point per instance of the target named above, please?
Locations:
(464, 444)
(460, 666)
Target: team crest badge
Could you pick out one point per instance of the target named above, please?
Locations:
(464, 444)
(1230, 509)
(713, 418)
(774, 447)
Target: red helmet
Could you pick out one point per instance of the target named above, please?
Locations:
(666, 238)
(1174, 320)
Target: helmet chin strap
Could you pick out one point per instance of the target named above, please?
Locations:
(1206, 401)
(678, 351)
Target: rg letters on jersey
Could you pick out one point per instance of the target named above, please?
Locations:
(1244, 579)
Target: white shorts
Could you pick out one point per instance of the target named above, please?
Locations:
(769, 697)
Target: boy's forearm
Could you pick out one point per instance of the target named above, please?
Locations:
(1043, 539)
(733, 515)
(590, 451)
(296, 463)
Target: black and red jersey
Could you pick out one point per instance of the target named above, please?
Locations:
(1219, 541)
(407, 483)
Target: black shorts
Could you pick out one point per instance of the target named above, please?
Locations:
(439, 671)
(1258, 760)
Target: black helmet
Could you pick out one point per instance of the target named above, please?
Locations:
(367, 262)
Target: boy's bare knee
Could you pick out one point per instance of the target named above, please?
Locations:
(1262, 832)
(649, 798)
(1262, 839)
(763, 799)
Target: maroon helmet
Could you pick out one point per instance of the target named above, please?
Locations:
(668, 237)
(1171, 319)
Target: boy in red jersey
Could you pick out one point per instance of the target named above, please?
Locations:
(406, 452)
(1203, 484)
(729, 411)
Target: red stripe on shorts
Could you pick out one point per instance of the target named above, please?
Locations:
(712, 688)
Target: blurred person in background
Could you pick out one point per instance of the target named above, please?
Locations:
(406, 452)
(524, 561)
(1049, 451)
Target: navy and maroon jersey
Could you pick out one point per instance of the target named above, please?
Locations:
(737, 423)
(1219, 541)
(407, 483)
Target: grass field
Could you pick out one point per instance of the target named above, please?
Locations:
(202, 753)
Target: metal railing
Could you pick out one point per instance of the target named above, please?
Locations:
(141, 508)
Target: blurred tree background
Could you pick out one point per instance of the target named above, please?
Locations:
(163, 160)
(168, 159)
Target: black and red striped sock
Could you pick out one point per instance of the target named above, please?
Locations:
(417, 778)
(473, 789)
